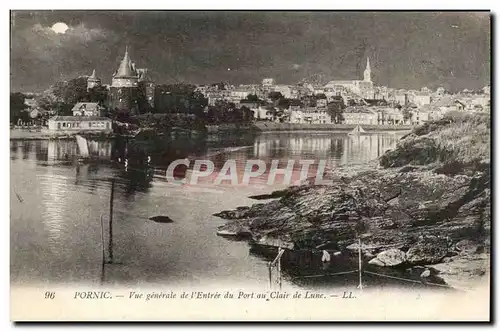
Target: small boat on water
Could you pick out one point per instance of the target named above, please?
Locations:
(83, 148)
(357, 130)
(84, 154)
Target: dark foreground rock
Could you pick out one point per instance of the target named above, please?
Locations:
(161, 219)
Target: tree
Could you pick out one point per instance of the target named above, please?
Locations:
(252, 98)
(247, 114)
(296, 103)
(98, 94)
(406, 114)
(274, 96)
(283, 103)
(17, 107)
(179, 98)
(335, 109)
(211, 115)
(72, 91)
(225, 111)
(220, 86)
(309, 101)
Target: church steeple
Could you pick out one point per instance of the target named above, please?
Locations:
(368, 71)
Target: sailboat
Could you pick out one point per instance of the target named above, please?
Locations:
(83, 147)
(357, 130)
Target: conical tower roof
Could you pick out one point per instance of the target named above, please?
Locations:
(93, 76)
(125, 69)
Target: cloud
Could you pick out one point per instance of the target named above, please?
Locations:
(79, 33)
(38, 51)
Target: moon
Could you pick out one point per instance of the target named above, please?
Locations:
(60, 27)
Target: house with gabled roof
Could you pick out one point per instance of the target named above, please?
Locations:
(87, 109)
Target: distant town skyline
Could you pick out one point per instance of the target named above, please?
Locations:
(406, 49)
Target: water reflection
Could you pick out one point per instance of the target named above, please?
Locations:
(53, 199)
(55, 232)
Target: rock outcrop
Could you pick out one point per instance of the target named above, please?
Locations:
(410, 212)
(389, 258)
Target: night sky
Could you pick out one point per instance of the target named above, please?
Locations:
(406, 50)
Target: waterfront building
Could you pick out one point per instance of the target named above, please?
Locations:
(360, 115)
(315, 115)
(261, 113)
(420, 115)
(87, 109)
(296, 115)
(390, 116)
(73, 124)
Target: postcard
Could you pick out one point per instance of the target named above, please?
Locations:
(250, 165)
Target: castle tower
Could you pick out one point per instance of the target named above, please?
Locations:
(368, 71)
(147, 91)
(124, 87)
(93, 81)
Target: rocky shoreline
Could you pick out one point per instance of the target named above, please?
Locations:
(425, 207)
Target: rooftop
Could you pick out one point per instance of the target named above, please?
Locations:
(86, 106)
(357, 109)
(126, 68)
(79, 118)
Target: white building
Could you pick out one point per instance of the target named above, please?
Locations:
(310, 115)
(262, 113)
(87, 109)
(420, 116)
(268, 82)
(360, 115)
(80, 123)
(363, 88)
(285, 90)
(421, 98)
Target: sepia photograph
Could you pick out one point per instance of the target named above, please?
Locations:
(250, 165)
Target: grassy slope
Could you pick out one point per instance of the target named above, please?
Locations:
(454, 144)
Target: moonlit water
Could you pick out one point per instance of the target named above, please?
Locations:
(57, 203)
